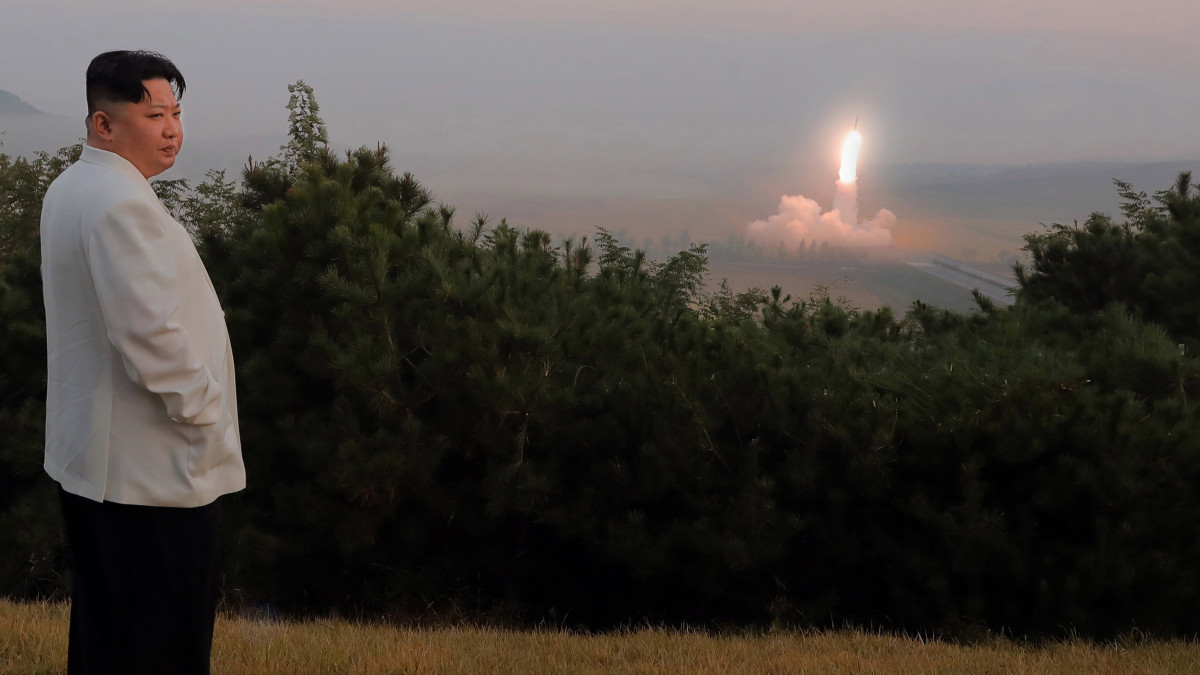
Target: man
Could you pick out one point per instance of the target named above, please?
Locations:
(141, 412)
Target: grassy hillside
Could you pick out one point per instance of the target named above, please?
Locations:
(33, 639)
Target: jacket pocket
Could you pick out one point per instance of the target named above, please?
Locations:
(214, 445)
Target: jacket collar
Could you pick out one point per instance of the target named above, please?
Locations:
(111, 160)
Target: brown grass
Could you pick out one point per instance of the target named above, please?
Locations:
(33, 639)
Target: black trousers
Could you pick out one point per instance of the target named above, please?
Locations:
(145, 585)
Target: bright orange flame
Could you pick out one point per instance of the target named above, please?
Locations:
(850, 147)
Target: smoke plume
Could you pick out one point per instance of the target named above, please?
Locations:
(800, 219)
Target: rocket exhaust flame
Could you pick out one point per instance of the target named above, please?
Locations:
(850, 148)
(801, 220)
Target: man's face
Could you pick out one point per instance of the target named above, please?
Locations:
(149, 133)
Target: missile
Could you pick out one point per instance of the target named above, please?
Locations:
(856, 122)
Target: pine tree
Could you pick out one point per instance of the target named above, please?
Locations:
(1149, 263)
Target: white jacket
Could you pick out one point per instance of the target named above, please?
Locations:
(140, 403)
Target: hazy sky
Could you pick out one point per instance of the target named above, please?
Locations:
(668, 96)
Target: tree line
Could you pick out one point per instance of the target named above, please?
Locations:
(468, 419)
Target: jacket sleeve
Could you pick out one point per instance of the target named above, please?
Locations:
(134, 272)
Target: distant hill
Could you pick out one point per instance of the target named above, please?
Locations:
(1035, 193)
(11, 104)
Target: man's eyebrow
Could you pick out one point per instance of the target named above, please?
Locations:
(164, 105)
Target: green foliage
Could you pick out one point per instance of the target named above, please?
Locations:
(447, 414)
(207, 211)
(444, 419)
(1149, 263)
(23, 182)
(306, 129)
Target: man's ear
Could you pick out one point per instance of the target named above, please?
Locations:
(100, 125)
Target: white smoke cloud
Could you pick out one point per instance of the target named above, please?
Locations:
(800, 220)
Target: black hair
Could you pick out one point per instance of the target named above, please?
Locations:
(118, 76)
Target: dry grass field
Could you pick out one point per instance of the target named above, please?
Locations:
(33, 639)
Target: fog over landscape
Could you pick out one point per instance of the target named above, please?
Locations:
(978, 123)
